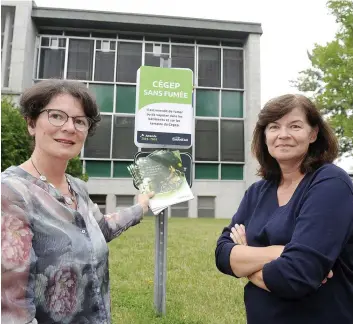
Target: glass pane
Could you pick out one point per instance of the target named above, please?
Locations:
(182, 205)
(233, 74)
(100, 201)
(183, 57)
(178, 212)
(149, 47)
(44, 41)
(124, 201)
(232, 104)
(151, 60)
(129, 61)
(206, 140)
(207, 103)
(62, 42)
(206, 202)
(206, 171)
(205, 213)
(98, 146)
(80, 60)
(51, 63)
(231, 172)
(123, 138)
(232, 140)
(125, 99)
(104, 96)
(209, 67)
(98, 168)
(104, 69)
(120, 169)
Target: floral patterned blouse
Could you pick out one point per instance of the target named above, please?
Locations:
(54, 260)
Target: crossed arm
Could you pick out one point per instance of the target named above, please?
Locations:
(247, 261)
(323, 227)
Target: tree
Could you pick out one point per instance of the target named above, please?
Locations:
(329, 80)
(17, 145)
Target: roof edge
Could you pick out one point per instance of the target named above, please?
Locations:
(132, 18)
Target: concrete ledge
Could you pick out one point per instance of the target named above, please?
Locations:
(58, 17)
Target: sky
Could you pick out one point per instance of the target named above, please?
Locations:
(290, 29)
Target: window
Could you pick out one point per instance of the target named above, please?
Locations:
(123, 138)
(180, 210)
(232, 140)
(232, 104)
(51, 63)
(124, 201)
(7, 23)
(183, 57)
(151, 60)
(207, 103)
(151, 49)
(105, 58)
(206, 206)
(206, 171)
(206, 140)
(100, 200)
(98, 168)
(129, 61)
(209, 67)
(233, 74)
(120, 169)
(104, 96)
(52, 58)
(98, 146)
(126, 99)
(80, 59)
(232, 172)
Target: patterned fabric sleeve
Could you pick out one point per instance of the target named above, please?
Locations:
(17, 293)
(112, 225)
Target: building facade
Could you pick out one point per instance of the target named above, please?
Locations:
(103, 50)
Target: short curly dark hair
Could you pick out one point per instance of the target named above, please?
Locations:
(323, 150)
(35, 98)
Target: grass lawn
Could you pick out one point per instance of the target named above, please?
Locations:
(197, 293)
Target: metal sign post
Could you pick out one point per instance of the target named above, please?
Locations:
(160, 267)
(161, 221)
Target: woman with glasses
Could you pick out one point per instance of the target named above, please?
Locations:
(54, 253)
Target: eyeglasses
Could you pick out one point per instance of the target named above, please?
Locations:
(58, 118)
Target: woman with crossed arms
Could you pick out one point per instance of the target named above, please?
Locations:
(294, 228)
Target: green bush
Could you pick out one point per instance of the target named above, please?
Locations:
(16, 144)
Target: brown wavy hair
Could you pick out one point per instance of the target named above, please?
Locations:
(323, 150)
(35, 98)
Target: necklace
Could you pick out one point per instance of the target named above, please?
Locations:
(69, 199)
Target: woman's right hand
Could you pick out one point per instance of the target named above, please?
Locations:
(143, 200)
(330, 275)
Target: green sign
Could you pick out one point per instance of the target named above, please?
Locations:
(164, 113)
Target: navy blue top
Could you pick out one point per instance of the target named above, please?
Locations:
(316, 227)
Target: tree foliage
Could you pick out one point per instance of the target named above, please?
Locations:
(329, 80)
(16, 144)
